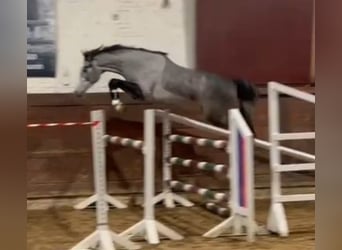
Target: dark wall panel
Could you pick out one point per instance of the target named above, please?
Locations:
(260, 40)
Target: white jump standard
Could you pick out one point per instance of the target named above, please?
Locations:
(91, 200)
(103, 237)
(149, 227)
(277, 221)
(109, 199)
(125, 142)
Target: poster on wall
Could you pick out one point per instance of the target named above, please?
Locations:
(41, 38)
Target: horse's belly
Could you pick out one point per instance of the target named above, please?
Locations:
(162, 95)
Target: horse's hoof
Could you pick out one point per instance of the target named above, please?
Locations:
(119, 107)
(116, 102)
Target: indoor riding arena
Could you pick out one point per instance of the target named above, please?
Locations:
(170, 124)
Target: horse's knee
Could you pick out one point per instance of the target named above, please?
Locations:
(114, 83)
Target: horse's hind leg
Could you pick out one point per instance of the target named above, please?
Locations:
(246, 109)
(215, 113)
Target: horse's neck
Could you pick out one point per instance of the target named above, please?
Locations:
(132, 65)
(107, 63)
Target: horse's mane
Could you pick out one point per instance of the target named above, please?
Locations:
(116, 47)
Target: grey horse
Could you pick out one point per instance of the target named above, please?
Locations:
(152, 76)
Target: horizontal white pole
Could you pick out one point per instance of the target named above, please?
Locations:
(196, 124)
(295, 197)
(224, 132)
(288, 151)
(294, 136)
(292, 92)
(295, 167)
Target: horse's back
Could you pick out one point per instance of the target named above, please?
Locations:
(150, 75)
(222, 90)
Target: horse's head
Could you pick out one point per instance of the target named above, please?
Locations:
(90, 74)
(128, 62)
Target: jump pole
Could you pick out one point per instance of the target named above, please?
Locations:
(102, 237)
(224, 132)
(167, 196)
(149, 227)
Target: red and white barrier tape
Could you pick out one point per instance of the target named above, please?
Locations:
(61, 124)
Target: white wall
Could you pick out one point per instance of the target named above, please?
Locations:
(86, 24)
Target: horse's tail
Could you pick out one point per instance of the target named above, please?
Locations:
(247, 94)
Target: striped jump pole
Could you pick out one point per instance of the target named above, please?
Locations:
(206, 166)
(126, 142)
(202, 165)
(224, 132)
(204, 142)
(221, 211)
(204, 192)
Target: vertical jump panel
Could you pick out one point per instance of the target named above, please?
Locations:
(242, 191)
(241, 176)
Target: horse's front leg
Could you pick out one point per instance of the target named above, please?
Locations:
(131, 88)
(113, 86)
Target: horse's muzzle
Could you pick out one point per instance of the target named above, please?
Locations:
(82, 88)
(78, 93)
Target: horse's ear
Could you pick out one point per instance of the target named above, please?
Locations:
(84, 53)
